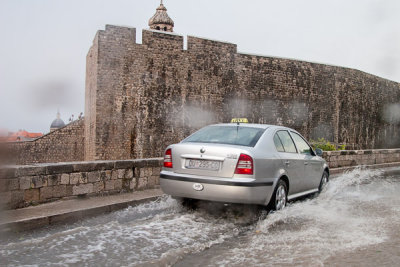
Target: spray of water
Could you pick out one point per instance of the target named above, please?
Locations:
(323, 130)
(159, 232)
(239, 107)
(298, 112)
(308, 232)
(191, 116)
(391, 113)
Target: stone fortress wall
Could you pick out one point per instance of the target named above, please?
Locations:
(142, 97)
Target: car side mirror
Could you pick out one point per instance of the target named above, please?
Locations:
(319, 152)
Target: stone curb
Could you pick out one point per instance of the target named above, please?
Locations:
(335, 171)
(73, 216)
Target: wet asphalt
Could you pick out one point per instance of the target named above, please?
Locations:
(354, 222)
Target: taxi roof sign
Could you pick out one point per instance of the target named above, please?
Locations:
(239, 120)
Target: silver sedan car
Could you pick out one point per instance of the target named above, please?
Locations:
(243, 163)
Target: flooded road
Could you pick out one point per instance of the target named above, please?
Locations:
(355, 221)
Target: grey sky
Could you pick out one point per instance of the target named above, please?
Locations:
(44, 42)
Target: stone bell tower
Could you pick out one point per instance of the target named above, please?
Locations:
(161, 21)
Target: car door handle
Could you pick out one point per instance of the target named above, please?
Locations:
(305, 163)
(287, 162)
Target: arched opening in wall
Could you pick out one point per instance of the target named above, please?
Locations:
(158, 28)
(165, 28)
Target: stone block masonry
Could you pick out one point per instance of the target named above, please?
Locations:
(350, 158)
(22, 186)
(64, 144)
(142, 97)
(26, 185)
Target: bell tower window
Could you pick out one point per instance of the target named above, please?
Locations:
(160, 20)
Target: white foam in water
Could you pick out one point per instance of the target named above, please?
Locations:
(158, 232)
(307, 232)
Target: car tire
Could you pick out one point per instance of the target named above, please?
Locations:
(189, 203)
(324, 181)
(279, 198)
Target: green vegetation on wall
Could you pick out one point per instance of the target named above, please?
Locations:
(326, 145)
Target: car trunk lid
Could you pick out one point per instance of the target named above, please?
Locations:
(213, 160)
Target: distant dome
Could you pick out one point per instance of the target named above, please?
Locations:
(161, 21)
(57, 123)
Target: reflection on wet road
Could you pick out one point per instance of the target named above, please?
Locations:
(355, 221)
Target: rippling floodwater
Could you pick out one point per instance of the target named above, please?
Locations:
(354, 222)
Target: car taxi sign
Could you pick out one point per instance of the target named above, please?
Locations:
(242, 120)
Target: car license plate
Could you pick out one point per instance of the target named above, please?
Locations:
(211, 165)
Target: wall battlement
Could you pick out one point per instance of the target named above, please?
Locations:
(154, 39)
(162, 40)
(197, 43)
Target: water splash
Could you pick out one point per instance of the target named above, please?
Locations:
(344, 217)
(159, 232)
(355, 177)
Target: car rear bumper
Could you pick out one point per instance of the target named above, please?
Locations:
(246, 191)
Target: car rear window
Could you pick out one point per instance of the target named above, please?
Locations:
(231, 135)
(278, 143)
(287, 142)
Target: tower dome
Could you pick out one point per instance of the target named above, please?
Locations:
(160, 20)
(57, 123)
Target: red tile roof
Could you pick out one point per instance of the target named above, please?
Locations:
(21, 135)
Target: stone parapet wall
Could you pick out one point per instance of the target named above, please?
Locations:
(32, 184)
(348, 158)
(22, 186)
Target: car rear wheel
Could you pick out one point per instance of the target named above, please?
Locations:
(189, 203)
(279, 198)
(324, 181)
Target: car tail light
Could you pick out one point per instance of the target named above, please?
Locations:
(168, 158)
(244, 165)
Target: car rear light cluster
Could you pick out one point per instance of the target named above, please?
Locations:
(244, 165)
(168, 158)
